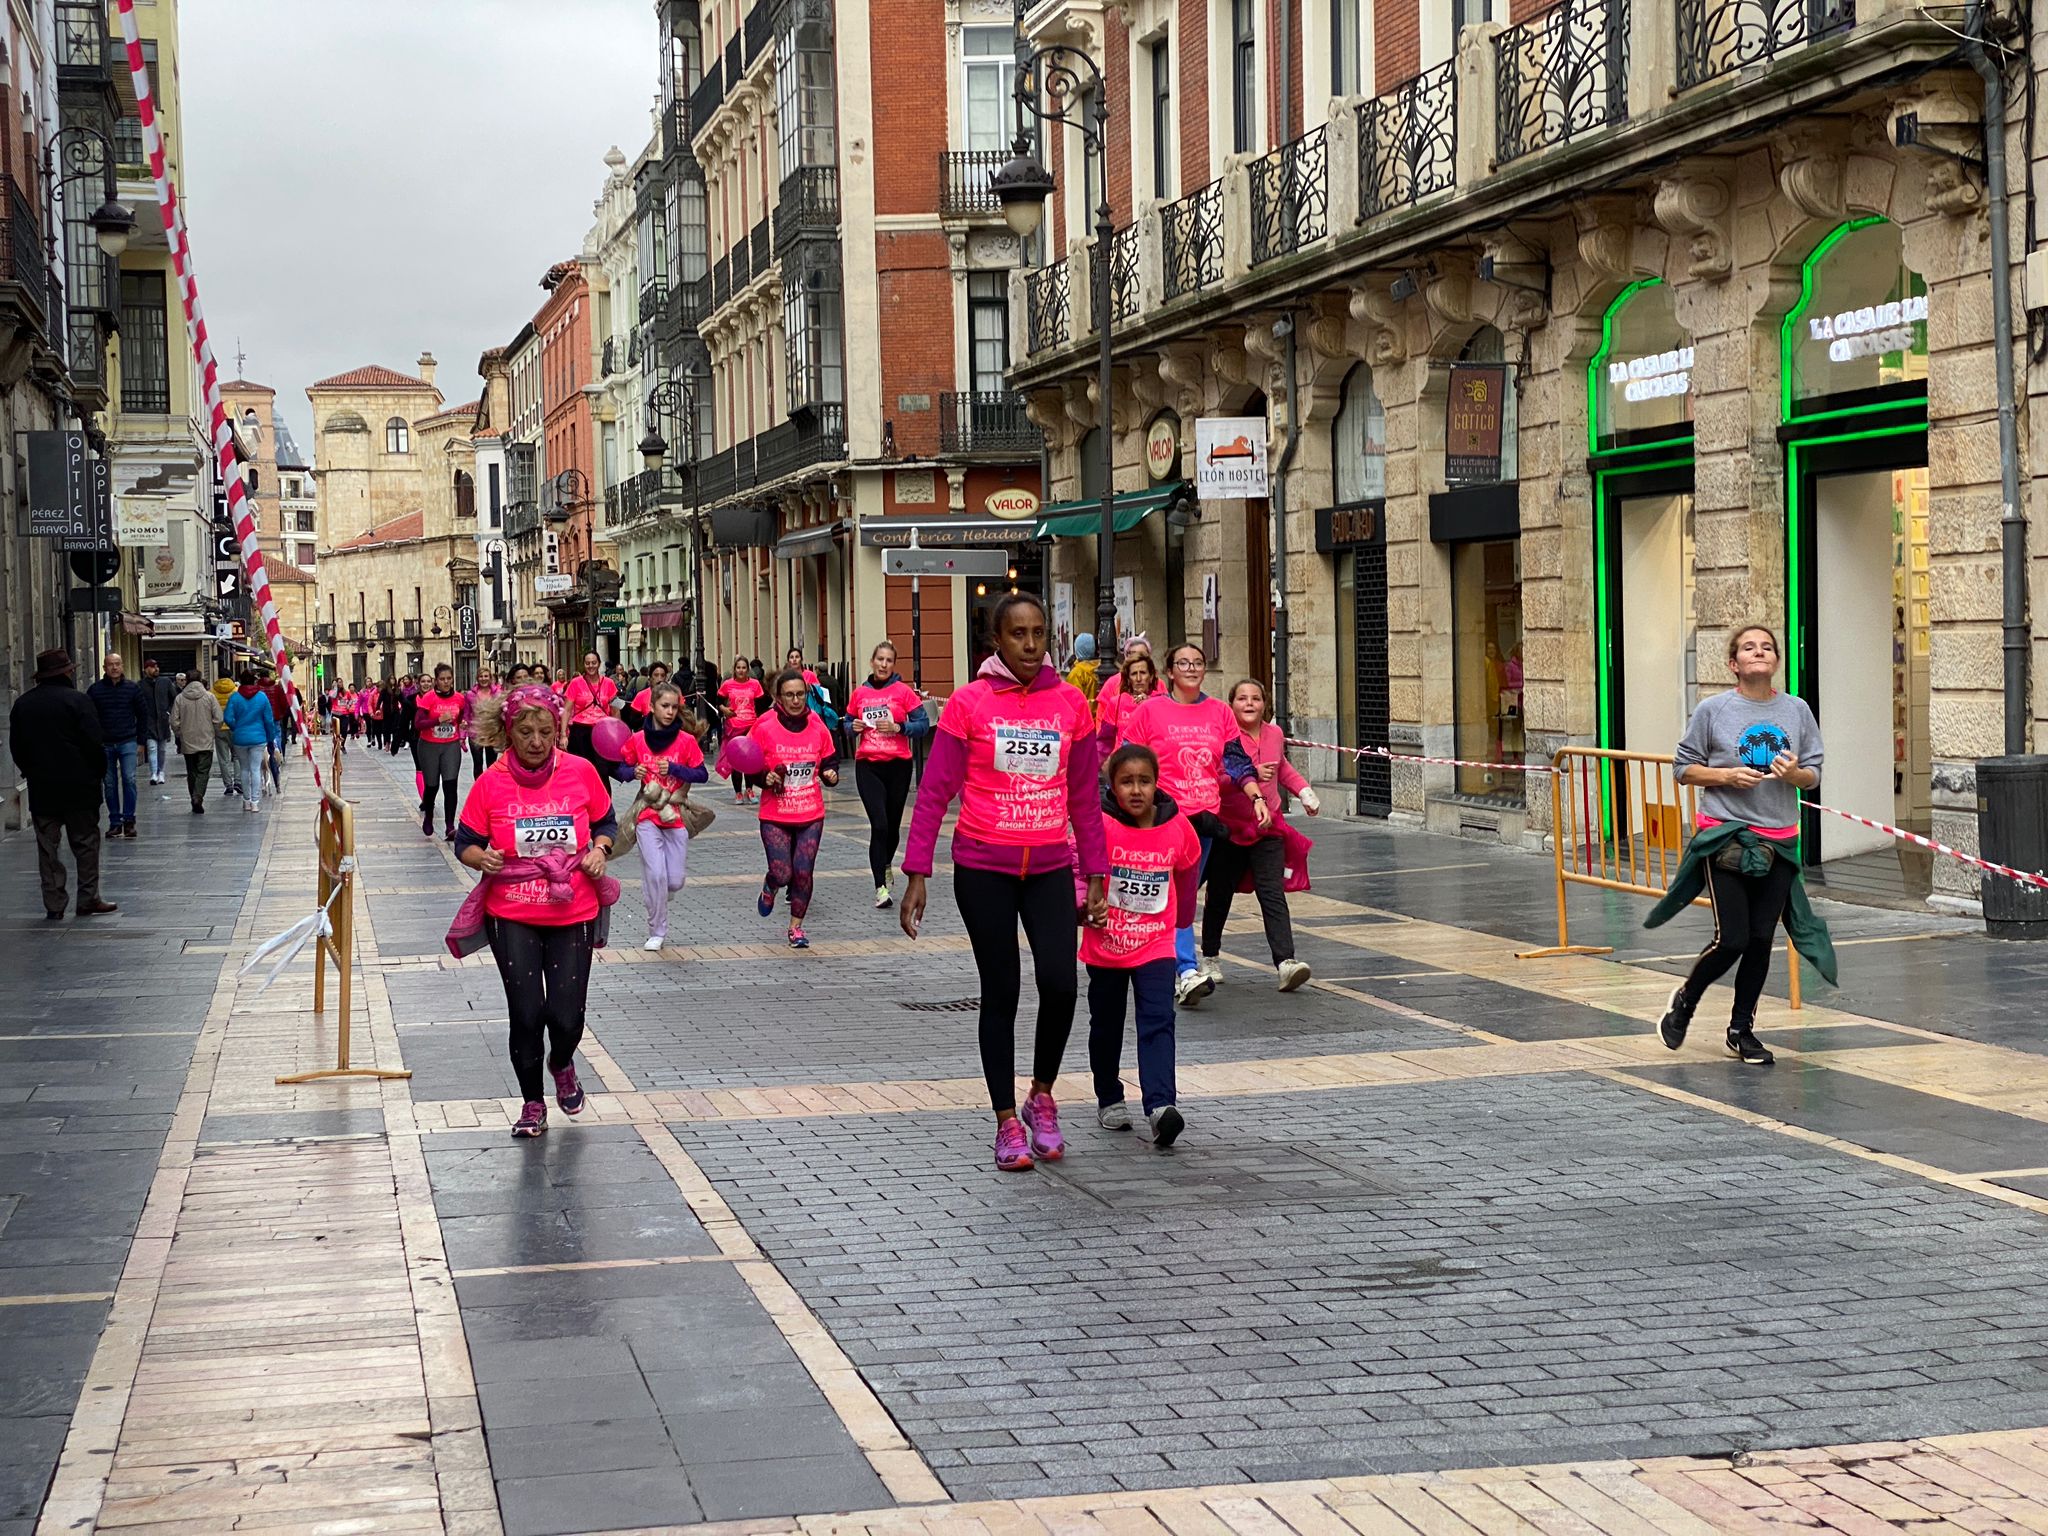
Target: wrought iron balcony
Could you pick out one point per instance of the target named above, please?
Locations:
(651, 294)
(817, 436)
(1045, 306)
(699, 303)
(964, 176)
(323, 634)
(682, 311)
(355, 630)
(385, 628)
(414, 629)
(759, 242)
(735, 61)
(721, 283)
(987, 421)
(1559, 76)
(614, 502)
(33, 285)
(1123, 274)
(1408, 142)
(675, 128)
(1719, 37)
(721, 476)
(808, 205)
(521, 519)
(742, 265)
(1291, 196)
(710, 91)
(760, 28)
(1191, 232)
(610, 356)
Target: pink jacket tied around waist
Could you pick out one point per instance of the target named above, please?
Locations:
(466, 933)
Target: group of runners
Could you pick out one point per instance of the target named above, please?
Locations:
(1090, 827)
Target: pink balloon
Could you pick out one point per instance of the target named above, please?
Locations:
(744, 755)
(609, 737)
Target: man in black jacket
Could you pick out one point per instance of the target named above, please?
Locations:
(118, 699)
(54, 733)
(159, 693)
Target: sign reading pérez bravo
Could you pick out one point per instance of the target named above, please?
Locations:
(1230, 457)
(65, 491)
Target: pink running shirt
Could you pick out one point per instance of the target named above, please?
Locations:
(1189, 740)
(897, 701)
(1018, 741)
(521, 823)
(798, 754)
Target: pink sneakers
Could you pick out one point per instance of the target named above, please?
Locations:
(1013, 1153)
(1041, 1119)
(568, 1092)
(533, 1120)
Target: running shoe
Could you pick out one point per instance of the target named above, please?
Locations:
(765, 902)
(1211, 967)
(1041, 1119)
(654, 941)
(532, 1121)
(1166, 1125)
(1190, 987)
(568, 1092)
(883, 898)
(1744, 1046)
(798, 939)
(1113, 1117)
(739, 797)
(1292, 974)
(1013, 1149)
(1677, 1016)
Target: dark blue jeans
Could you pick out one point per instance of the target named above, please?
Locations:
(120, 786)
(1107, 989)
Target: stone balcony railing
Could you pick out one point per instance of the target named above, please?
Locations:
(1520, 119)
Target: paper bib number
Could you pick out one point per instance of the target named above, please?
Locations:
(1142, 891)
(535, 835)
(1028, 750)
(874, 715)
(798, 777)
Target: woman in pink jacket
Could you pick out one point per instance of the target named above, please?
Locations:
(1251, 816)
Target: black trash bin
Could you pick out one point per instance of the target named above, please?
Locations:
(2012, 829)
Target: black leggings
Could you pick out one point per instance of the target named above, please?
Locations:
(439, 764)
(992, 905)
(1267, 860)
(1746, 913)
(581, 745)
(480, 758)
(884, 785)
(546, 972)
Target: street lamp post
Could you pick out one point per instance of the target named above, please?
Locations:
(1022, 186)
(676, 399)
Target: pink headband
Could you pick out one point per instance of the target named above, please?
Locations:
(532, 696)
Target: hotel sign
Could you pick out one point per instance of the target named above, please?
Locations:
(1473, 415)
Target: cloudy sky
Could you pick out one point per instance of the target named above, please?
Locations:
(369, 181)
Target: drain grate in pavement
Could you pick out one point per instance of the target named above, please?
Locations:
(1235, 1176)
(957, 1005)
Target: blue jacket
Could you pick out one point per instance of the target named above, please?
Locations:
(251, 721)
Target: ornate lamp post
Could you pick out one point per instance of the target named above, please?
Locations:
(676, 400)
(1022, 186)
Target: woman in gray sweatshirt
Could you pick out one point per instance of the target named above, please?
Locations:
(1750, 750)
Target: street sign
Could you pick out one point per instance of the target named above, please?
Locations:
(979, 563)
(554, 583)
(465, 627)
(223, 632)
(58, 485)
(98, 566)
(95, 599)
(610, 620)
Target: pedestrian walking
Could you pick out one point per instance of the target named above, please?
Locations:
(196, 723)
(441, 721)
(158, 694)
(118, 699)
(886, 714)
(538, 826)
(1751, 751)
(1253, 841)
(1190, 731)
(741, 695)
(1108, 695)
(342, 706)
(591, 697)
(1153, 854)
(1016, 746)
(252, 732)
(1085, 674)
(802, 762)
(487, 687)
(1136, 682)
(224, 748)
(53, 732)
(665, 758)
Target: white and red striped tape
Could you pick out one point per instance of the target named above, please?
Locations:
(2024, 877)
(240, 512)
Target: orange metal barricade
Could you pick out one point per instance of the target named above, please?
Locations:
(1619, 821)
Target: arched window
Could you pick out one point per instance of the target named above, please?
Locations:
(1358, 441)
(397, 436)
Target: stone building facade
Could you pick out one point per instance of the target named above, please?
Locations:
(1563, 376)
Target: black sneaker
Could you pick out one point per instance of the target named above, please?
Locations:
(1677, 1017)
(1744, 1046)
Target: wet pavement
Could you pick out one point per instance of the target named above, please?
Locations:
(1444, 1209)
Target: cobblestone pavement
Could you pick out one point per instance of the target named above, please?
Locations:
(1451, 1244)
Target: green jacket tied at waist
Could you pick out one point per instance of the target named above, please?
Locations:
(1808, 933)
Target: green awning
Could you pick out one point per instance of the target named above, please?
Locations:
(1083, 519)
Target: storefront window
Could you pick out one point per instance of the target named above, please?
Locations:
(1486, 609)
(1861, 322)
(1347, 664)
(1358, 441)
(1640, 381)
(1480, 414)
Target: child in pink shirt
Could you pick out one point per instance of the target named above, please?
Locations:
(1251, 813)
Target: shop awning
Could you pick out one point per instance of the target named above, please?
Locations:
(662, 615)
(1083, 519)
(810, 541)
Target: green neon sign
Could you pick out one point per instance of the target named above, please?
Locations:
(1603, 600)
(1596, 372)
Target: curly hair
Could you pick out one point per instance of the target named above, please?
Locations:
(489, 725)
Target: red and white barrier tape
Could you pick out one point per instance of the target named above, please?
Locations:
(240, 512)
(2024, 877)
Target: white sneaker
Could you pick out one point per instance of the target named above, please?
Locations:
(882, 897)
(1211, 966)
(1190, 987)
(1113, 1117)
(1167, 1124)
(654, 942)
(1292, 974)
